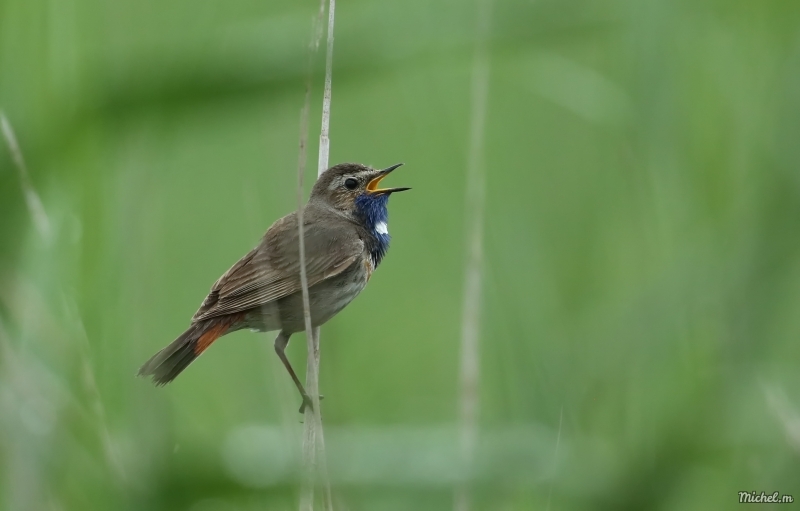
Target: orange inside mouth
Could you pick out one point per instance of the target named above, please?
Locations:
(372, 186)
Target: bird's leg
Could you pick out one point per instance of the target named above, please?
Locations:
(280, 345)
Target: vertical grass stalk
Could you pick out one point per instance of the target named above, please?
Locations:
(469, 371)
(555, 458)
(32, 200)
(314, 458)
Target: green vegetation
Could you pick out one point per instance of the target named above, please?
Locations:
(642, 274)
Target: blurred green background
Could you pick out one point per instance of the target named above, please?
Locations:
(639, 345)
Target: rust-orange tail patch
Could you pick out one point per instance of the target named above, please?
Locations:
(168, 363)
(211, 335)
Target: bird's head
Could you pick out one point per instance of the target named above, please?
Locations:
(353, 189)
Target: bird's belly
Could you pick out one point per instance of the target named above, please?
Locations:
(331, 296)
(326, 299)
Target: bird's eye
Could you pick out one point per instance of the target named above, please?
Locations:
(350, 183)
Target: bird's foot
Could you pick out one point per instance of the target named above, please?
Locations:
(307, 402)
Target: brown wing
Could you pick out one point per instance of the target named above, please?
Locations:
(271, 271)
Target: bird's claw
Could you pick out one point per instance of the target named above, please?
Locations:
(307, 402)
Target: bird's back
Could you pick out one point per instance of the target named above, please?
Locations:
(265, 283)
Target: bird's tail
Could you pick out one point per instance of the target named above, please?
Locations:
(168, 363)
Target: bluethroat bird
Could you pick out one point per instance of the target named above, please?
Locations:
(346, 237)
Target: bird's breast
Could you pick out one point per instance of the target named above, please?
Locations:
(378, 245)
(346, 287)
(369, 267)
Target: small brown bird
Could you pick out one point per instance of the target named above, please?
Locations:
(346, 237)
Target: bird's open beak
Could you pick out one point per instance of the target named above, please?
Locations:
(372, 186)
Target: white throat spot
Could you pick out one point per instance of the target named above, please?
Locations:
(381, 228)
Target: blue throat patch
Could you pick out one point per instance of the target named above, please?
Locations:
(372, 211)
